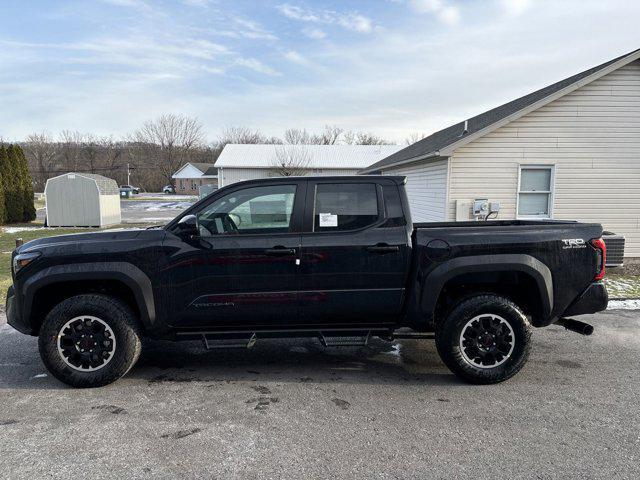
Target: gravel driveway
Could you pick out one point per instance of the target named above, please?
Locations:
(291, 409)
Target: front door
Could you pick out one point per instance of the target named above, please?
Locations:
(240, 271)
(354, 253)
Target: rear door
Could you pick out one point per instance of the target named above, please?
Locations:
(354, 253)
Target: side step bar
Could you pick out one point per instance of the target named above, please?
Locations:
(220, 343)
(345, 341)
(330, 338)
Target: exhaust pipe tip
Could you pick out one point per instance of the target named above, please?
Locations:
(576, 326)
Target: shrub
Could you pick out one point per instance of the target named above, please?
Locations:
(10, 173)
(26, 185)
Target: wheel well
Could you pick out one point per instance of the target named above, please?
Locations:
(50, 295)
(521, 288)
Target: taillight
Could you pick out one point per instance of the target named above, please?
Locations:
(601, 250)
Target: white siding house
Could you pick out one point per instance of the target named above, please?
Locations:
(191, 176)
(247, 162)
(569, 151)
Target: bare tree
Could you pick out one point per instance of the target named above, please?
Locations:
(242, 135)
(329, 136)
(170, 138)
(70, 146)
(296, 136)
(414, 137)
(41, 153)
(349, 137)
(292, 160)
(90, 152)
(363, 138)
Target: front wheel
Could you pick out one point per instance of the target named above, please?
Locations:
(484, 339)
(89, 340)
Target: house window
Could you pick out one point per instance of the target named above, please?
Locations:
(535, 191)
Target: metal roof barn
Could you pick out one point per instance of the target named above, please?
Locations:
(246, 162)
(82, 200)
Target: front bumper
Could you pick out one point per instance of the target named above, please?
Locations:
(13, 314)
(593, 299)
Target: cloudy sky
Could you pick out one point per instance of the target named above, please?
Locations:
(391, 67)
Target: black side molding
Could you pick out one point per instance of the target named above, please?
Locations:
(434, 282)
(127, 273)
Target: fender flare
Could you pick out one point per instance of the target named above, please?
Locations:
(127, 273)
(435, 280)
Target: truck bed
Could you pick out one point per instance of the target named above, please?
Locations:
(560, 251)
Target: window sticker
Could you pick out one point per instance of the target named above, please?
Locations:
(328, 220)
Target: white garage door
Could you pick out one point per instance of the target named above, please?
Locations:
(426, 189)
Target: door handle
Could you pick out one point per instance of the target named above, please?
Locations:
(280, 251)
(383, 248)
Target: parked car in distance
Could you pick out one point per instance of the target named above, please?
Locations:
(129, 188)
(336, 258)
(168, 189)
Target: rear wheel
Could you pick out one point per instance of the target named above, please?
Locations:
(484, 339)
(89, 340)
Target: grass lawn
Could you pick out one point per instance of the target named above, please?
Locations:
(623, 286)
(27, 232)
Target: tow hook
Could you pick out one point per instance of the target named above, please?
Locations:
(576, 326)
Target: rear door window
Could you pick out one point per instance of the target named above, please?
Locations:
(345, 206)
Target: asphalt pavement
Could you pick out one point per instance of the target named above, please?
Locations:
(293, 409)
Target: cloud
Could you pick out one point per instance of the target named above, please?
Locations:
(357, 23)
(257, 66)
(314, 33)
(354, 22)
(138, 4)
(197, 3)
(298, 13)
(295, 57)
(515, 8)
(444, 10)
(250, 29)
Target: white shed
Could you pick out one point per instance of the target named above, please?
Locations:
(82, 200)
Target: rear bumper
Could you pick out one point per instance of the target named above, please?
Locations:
(13, 313)
(593, 299)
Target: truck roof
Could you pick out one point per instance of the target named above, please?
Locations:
(398, 179)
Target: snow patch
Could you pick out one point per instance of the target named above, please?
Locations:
(162, 196)
(157, 206)
(21, 229)
(395, 350)
(632, 304)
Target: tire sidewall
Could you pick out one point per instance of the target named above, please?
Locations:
(115, 314)
(448, 338)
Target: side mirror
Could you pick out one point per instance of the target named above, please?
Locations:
(188, 225)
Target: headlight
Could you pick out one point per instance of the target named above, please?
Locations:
(23, 259)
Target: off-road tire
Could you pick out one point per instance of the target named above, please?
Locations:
(116, 314)
(449, 330)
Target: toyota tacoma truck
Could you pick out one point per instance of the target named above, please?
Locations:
(336, 258)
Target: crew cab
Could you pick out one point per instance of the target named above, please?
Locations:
(337, 258)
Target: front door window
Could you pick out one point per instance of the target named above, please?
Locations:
(250, 210)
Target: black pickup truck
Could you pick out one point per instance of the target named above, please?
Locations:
(337, 258)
